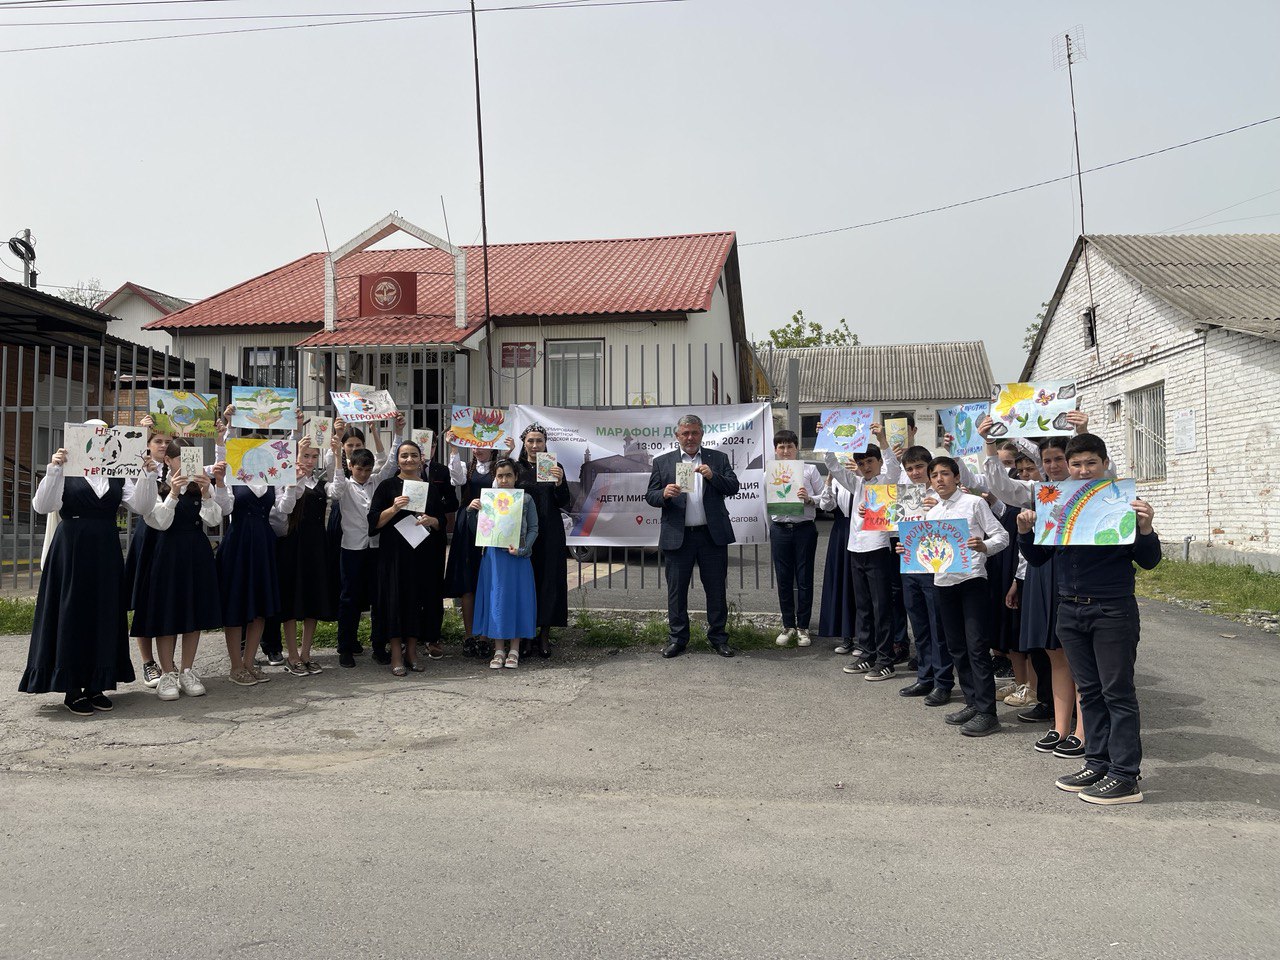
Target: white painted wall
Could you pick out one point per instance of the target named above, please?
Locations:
(129, 312)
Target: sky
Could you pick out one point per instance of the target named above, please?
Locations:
(189, 165)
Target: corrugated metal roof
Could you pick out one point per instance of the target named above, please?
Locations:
(561, 278)
(1230, 280)
(884, 373)
(164, 302)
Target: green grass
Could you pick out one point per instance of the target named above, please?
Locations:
(1230, 588)
(591, 629)
(16, 615)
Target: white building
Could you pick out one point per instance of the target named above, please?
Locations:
(132, 307)
(1174, 343)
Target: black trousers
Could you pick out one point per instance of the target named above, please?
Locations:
(713, 569)
(965, 610)
(794, 546)
(1101, 640)
(897, 603)
(357, 570)
(872, 574)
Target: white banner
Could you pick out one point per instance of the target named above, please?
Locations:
(607, 456)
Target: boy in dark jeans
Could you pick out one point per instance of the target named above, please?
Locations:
(1099, 629)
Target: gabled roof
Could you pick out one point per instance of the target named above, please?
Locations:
(1229, 280)
(553, 279)
(163, 302)
(884, 373)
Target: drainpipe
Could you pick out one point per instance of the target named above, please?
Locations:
(1186, 548)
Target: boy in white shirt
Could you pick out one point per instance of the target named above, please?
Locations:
(793, 544)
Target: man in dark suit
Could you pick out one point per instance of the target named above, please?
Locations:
(695, 529)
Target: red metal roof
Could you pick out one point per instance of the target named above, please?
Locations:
(552, 279)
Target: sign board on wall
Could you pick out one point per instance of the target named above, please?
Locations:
(392, 292)
(1184, 431)
(517, 355)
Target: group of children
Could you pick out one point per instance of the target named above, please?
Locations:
(1064, 617)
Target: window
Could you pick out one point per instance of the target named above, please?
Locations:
(1146, 432)
(809, 430)
(574, 372)
(715, 389)
(269, 366)
(1090, 321)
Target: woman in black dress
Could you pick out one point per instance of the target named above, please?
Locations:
(463, 570)
(550, 550)
(836, 612)
(302, 559)
(137, 560)
(179, 595)
(247, 579)
(79, 641)
(411, 577)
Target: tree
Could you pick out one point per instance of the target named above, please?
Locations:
(87, 293)
(809, 333)
(1033, 329)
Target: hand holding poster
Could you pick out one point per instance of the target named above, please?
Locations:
(896, 431)
(499, 522)
(181, 413)
(783, 480)
(880, 501)
(1085, 513)
(961, 422)
(109, 452)
(1032, 409)
(273, 462)
(933, 546)
(844, 431)
(264, 408)
(364, 407)
(416, 491)
(546, 463)
(476, 427)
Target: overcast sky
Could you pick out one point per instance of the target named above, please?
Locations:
(190, 165)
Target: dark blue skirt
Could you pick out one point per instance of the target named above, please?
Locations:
(836, 611)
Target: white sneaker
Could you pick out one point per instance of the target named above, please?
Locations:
(844, 648)
(785, 636)
(167, 688)
(191, 684)
(802, 638)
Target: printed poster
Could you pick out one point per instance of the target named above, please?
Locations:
(364, 407)
(110, 452)
(499, 522)
(933, 546)
(962, 423)
(181, 413)
(896, 432)
(844, 431)
(1032, 409)
(273, 462)
(546, 463)
(1085, 513)
(1184, 431)
(416, 491)
(782, 482)
(264, 408)
(192, 461)
(477, 427)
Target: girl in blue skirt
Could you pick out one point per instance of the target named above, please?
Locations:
(506, 609)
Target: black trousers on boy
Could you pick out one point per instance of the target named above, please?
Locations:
(874, 618)
(964, 610)
(794, 546)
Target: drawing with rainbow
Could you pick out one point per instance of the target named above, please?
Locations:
(1083, 513)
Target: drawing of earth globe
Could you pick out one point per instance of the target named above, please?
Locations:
(258, 460)
(182, 415)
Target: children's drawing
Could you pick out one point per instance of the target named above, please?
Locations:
(844, 431)
(1085, 513)
(476, 427)
(320, 430)
(911, 497)
(933, 546)
(684, 476)
(363, 389)
(425, 439)
(273, 462)
(499, 522)
(1032, 409)
(416, 491)
(192, 461)
(264, 408)
(895, 430)
(881, 503)
(109, 452)
(183, 414)
(962, 423)
(782, 482)
(545, 463)
(364, 407)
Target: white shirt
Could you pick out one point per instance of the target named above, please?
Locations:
(695, 514)
(864, 541)
(161, 518)
(835, 496)
(354, 499)
(813, 483)
(48, 496)
(982, 523)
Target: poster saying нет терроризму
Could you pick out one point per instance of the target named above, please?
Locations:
(607, 457)
(111, 452)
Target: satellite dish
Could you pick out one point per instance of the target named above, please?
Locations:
(22, 250)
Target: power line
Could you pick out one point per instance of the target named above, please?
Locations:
(1219, 210)
(1012, 190)
(1218, 223)
(249, 16)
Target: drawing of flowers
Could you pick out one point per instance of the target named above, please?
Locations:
(502, 503)
(485, 525)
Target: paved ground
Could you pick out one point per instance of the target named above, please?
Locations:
(623, 806)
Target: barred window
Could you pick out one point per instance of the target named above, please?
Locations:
(575, 372)
(1146, 432)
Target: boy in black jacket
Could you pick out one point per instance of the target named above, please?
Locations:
(1098, 626)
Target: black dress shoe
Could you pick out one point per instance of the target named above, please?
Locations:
(921, 688)
(359, 649)
(672, 650)
(381, 656)
(961, 716)
(940, 697)
(723, 649)
(1036, 713)
(346, 660)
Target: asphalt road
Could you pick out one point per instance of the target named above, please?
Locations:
(623, 806)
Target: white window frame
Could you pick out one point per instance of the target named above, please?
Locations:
(1145, 419)
(584, 388)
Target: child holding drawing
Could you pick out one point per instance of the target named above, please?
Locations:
(303, 564)
(506, 598)
(137, 561)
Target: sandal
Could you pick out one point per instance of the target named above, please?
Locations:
(312, 667)
(417, 667)
(513, 659)
(499, 660)
(399, 671)
(435, 651)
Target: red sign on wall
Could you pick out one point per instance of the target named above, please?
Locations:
(515, 355)
(382, 294)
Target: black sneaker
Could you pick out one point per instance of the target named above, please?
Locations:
(1069, 748)
(1111, 790)
(275, 659)
(981, 725)
(100, 701)
(901, 655)
(1036, 713)
(151, 674)
(961, 717)
(860, 666)
(1003, 668)
(1075, 782)
(359, 649)
(346, 660)
(382, 657)
(78, 704)
(882, 673)
(1049, 742)
(940, 697)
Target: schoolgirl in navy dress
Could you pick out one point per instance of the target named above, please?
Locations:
(79, 640)
(179, 596)
(836, 612)
(302, 557)
(137, 561)
(550, 550)
(410, 578)
(506, 597)
(463, 570)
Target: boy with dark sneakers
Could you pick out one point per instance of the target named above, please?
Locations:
(1099, 629)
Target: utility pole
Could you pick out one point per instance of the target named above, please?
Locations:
(484, 222)
(1066, 55)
